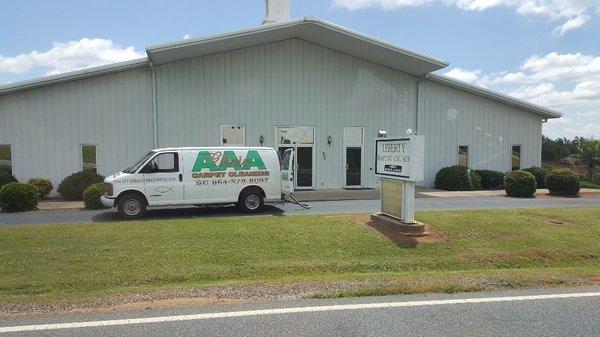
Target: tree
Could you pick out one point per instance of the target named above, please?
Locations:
(556, 150)
(588, 151)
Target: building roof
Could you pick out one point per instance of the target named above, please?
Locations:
(74, 75)
(312, 30)
(473, 89)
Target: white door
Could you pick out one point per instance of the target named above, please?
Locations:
(301, 140)
(287, 172)
(163, 179)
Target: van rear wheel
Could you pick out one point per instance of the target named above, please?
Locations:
(131, 206)
(251, 201)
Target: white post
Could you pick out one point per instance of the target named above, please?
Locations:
(408, 200)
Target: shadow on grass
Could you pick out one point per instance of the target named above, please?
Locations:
(188, 213)
(394, 235)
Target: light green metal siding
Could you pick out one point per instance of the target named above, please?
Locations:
(449, 117)
(46, 126)
(288, 83)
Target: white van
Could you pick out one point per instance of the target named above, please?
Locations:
(246, 176)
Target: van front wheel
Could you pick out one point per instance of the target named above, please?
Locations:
(251, 201)
(131, 206)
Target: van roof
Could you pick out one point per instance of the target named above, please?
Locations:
(214, 148)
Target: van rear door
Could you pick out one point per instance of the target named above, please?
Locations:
(287, 172)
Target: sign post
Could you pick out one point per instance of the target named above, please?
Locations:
(399, 164)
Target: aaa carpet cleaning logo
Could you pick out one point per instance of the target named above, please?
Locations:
(227, 163)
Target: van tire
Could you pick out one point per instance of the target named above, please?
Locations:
(251, 201)
(131, 206)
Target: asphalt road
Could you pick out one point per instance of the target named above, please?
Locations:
(550, 312)
(318, 207)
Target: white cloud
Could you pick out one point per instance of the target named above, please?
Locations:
(68, 56)
(186, 36)
(572, 13)
(464, 75)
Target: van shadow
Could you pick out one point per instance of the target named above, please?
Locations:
(188, 213)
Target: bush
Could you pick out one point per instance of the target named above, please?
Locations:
(490, 180)
(18, 197)
(520, 184)
(72, 187)
(540, 175)
(91, 196)
(44, 186)
(563, 182)
(6, 178)
(457, 178)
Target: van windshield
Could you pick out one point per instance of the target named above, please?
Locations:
(136, 166)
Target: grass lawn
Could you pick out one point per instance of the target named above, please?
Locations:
(75, 262)
(589, 184)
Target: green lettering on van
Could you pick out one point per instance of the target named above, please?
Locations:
(228, 159)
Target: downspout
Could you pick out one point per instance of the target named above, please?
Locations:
(154, 107)
(418, 81)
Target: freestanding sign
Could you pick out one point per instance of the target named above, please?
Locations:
(399, 164)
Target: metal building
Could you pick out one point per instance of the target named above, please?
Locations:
(308, 84)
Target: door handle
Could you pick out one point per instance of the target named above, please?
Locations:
(180, 177)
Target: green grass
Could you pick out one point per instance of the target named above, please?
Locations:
(49, 263)
(589, 184)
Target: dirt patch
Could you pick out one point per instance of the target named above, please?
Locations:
(393, 233)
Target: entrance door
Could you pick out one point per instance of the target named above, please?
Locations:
(301, 140)
(163, 179)
(353, 156)
(353, 166)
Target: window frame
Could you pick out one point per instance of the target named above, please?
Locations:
(95, 156)
(10, 147)
(243, 128)
(175, 170)
(520, 157)
(458, 154)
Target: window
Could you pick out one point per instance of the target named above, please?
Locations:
(463, 155)
(233, 135)
(88, 157)
(5, 158)
(516, 157)
(295, 135)
(163, 163)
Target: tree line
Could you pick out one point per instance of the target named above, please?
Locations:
(585, 150)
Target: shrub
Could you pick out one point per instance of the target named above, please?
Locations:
(18, 197)
(72, 187)
(44, 186)
(91, 196)
(520, 184)
(6, 178)
(457, 178)
(540, 175)
(490, 180)
(563, 182)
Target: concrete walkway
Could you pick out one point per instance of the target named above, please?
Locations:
(486, 193)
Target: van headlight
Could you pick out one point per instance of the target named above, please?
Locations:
(108, 189)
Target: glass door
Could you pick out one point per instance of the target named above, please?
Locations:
(353, 166)
(353, 156)
(301, 140)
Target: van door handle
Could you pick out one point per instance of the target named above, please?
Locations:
(180, 177)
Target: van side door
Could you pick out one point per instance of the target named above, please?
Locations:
(163, 179)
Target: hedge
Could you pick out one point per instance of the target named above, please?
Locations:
(72, 187)
(491, 180)
(563, 181)
(44, 186)
(520, 184)
(6, 178)
(18, 197)
(457, 178)
(91, 196)
(540, 175)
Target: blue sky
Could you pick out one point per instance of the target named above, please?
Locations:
(544, 51)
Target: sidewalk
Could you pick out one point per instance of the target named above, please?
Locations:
(450, 194)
